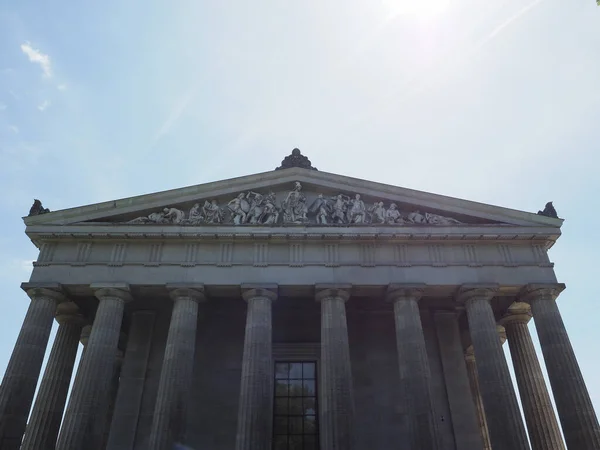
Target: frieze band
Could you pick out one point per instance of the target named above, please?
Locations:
(253, 208)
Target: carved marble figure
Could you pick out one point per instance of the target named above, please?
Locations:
(212, 212)
(357, 212)
(549, 211)
(392, 215)
(256, 207)
(416, 217)
(269, 214)
(173, 215)
(37, 208)
(239, 208)
(377, 212)
(294, 206)
(195, 215)
(321, 208)
(435, 219)
(340, 206)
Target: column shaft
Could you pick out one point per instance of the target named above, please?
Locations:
(255, 413)
(415, 375)
(84, 421)
(575, 410)
(464, 418)
(542, 425)
(337, 397)
(23, 371)
(43, 426)
(477, 400)
(506, 428)
(131, 385)
(169, 424)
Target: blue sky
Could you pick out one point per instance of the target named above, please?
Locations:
(496, 102)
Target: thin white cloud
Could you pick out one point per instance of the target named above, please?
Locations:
(508, 21)
(37, 57)
(44, 105)
(14, 128)
(176, 113)
(62, 87)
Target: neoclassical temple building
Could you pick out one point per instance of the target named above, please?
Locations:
(293, 310)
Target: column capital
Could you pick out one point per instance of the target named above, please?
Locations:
(111, 290)
(518, 312)
(325, 291)
(263, 290)
(47, 290)
(469, 292)
(401, 291)
(470, 353)
(546, 291)
(502, 333)
(69, 313)
(180, 291)
(85, 334)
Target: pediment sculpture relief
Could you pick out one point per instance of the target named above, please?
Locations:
(253, 208)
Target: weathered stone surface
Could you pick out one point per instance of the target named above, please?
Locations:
(477, 400)
(169, 425)
(506, 428)
(255, 413)
(544, 433)
(337, 397)
(415, 376)
(131, 384)
(48, 409)
(575, 410)
(21, 376)
(464, 417)
(84, 421)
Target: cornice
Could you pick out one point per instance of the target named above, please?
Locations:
(545, 235)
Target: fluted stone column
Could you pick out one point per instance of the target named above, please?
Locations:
(506, 428)
(43, 426)
(478, 401)
(575, 410)
(415, 375)
(544, 433)
(169, 424)
(83, 424)
(131, 385)
(337, 397)
(23, 371)
(111, 398)
(255, 413)
(467, 435)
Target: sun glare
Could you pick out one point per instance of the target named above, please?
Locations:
(416, 7)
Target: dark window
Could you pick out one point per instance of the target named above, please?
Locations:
(295, 425)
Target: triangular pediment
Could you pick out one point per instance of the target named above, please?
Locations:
(292, 197)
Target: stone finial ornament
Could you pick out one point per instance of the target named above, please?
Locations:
(549, 211)
(37, 208)
(296, 159)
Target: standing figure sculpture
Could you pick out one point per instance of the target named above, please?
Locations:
(357, 212)
(256, 209)
(270, 213)
(239, 208)
(321, 208)
(340, 206)
(294, 206)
